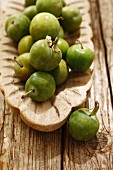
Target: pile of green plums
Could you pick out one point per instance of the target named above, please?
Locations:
(44, 55)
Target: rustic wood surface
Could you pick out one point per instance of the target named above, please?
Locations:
(21, 147)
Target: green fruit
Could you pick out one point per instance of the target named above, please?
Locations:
(17, 26)
(61, 33)
(63, 45)
(40, 86)
(52, 6)
(79, 58)
(44, 57)
(30, 11)
(22, 67)
(25, 44)
(63, 3)
(83, 124)
(60, 73)
(30, 2)
(72, 18)
(44, 24)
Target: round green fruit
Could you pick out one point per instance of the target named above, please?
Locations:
(40, 86)
(79, 58)
(44, 57)
(63, 45)
(25, 44)
(44, 24)
(63, 3)
(52, 6)
(30, 2)
(30, 11)
(61, 33)
(17, 26)
(60, 73)
(22, 67)
(83, 124)
(72, 18)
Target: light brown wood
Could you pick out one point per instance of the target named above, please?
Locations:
(106, 27)
(22, 147)
(52, 114)
(97, 153)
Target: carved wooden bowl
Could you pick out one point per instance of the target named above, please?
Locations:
(52, 114)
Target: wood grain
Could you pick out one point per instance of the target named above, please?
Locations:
(25, 148)
(107, 35)
(22, 147)
(97, 153)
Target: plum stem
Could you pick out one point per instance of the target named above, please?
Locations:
(53, 45)
(24, 95)
(55, 41)
(96, 107)
(80, 44)
(60, 18)
(15, 59)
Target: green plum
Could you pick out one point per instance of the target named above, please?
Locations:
(61, 33)
(52, 6)
(79, 58)
(40, 86)
(44, 24)
(72, 18)
(17, 26)
(30, 11)
(63, 45)
(25, 44)
(22, 67)
(83, 123)
(60, 73)
(43, 56)
(30, 2)
(63, 3)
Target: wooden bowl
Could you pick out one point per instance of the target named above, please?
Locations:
(52, 114)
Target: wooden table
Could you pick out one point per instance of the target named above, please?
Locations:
(22, 148)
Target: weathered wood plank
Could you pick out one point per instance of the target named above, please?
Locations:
(20, 146)
(106, 14)
(24, 148)
(96, 153)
